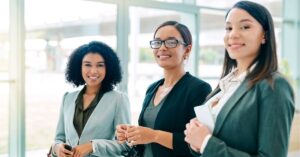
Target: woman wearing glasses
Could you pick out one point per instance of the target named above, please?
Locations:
(169, 102)
(253, 106)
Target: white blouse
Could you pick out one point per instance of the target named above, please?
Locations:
(228, 85)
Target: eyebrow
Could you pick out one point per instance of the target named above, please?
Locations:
(90, 62)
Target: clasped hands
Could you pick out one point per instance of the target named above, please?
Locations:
(78, 151)
(195, 134)
(134, 135)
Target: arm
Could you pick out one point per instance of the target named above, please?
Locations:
(60, 138)
(197, 97)
(275, 111)
(104, 147)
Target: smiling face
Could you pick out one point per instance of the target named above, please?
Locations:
(244, 36)
(169, 58)
(93, 69)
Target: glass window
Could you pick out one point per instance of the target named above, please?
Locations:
(4, 85)
(211, 45)
(171, 1)
(142, 67)
(53, 32)
(4, 91)
(275, 6)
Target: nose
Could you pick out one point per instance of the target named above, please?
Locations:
(234, 33)
(94, 70)
(163, 46)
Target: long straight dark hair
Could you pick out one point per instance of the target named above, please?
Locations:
(266, 60)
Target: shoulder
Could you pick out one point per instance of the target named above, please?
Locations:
(276, 81)
(276, 85)
(72, 94)
(116, 94)
(196, 83)
(154, 85)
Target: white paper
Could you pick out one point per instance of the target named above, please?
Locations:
(204, 115)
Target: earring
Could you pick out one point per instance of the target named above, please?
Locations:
(263, 41)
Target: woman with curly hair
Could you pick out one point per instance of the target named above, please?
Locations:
(88, 117)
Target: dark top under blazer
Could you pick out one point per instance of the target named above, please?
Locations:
(176, 111)
(254, 122)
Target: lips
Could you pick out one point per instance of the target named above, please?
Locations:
(236, 45)
(163, 56)
(93, 77)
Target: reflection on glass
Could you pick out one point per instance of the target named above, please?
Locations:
(211, 45)
(171, 1)
(53, 32)
(4, 90)
(4, 86)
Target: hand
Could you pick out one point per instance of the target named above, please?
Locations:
(195, 149)
(195, 134)
(61, 151)
(121, 133)
(140, 135)
(83, 150)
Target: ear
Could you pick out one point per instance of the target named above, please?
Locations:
(263, 41)
(187, 51)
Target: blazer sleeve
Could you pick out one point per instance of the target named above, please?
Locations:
(276, 110)
(104, 147)
(60, 136)
(197, 97)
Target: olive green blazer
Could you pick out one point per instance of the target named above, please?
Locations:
(254, 122)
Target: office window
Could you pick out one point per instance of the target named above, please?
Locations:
(4, 84)
(4, 91)
(54, 29)
(171, 1)
(211, 45)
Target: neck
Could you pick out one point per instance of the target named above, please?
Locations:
(91, 90)
(172, 76)
(242, 67)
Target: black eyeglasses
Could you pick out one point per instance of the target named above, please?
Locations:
(169, 43)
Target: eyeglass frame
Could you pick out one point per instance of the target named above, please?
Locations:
(164, 42)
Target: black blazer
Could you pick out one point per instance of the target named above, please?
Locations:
(176, 111)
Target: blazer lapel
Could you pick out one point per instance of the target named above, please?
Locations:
(232, 101)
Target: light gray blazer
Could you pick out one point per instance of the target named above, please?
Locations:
(112, 109)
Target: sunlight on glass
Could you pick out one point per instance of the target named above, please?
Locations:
(53, 30)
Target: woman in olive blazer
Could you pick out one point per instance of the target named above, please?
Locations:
(253, 106)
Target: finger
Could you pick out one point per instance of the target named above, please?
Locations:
(186, 139)
(132, 128)
(133, 143)
(131, 134)
(65, 151)
(197, 122)
(185, 132)
(133, 138)
(121, 141)
(193, 120)
(187, 125)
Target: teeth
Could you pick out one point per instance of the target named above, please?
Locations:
(93, 77)
(164, 56)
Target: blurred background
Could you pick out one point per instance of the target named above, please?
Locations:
(37, 36)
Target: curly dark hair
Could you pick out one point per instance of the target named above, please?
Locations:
(112, 63)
